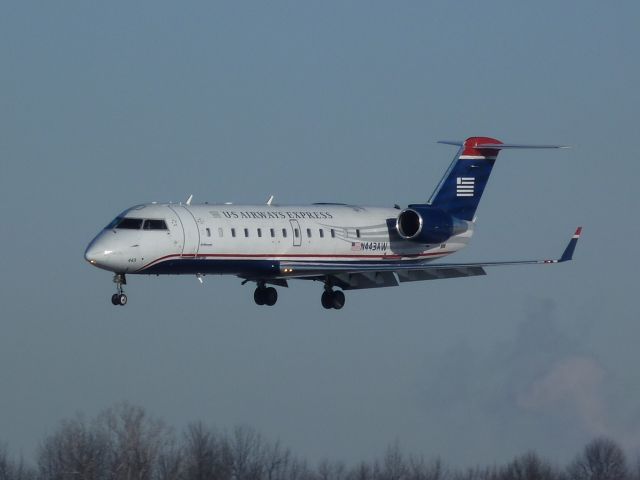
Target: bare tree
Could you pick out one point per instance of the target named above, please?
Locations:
(124, 443)
(419, 469)
(11, 470)
(528, 467)
(136, 442)
(331, 470)
(277, 461)
(76, 450)
(602, 459)
(170, 465)
(6, 465)
(245, 447)
(634, 474)
(476, 473)
(206, 456)
(393, 465)
(363, 471)
(243, 454)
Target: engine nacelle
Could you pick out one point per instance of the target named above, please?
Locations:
(428, 225)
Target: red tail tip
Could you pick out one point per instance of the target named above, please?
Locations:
(578, 231)
(471, 143)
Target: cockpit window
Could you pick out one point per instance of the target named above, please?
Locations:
(136, 224)
(154, 225)
(129, 223)
(113, 223)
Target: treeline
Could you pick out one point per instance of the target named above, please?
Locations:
(124, 443)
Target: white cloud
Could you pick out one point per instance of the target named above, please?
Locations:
(574, 383)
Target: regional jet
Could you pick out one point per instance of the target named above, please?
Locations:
(344, 247)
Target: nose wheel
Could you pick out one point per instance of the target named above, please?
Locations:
(265, 295)
(119, 298)
(332, 298)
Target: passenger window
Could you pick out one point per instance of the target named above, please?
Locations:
(246, 232)
(358, 232)
(308, 233)
(233, 232)
(130, 223)
(259, 232)
(333, 233)
(208, 232)
(296, 232)
(321, 233)
(284, 232)
(220, 232)
(273, 233)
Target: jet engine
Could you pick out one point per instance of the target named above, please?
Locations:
(428, 225)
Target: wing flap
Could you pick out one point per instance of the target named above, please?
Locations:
(358, 281)
(435, 273)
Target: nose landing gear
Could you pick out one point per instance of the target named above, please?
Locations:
(119, 298)
(265, 295)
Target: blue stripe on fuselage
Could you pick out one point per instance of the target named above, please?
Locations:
(186, 266)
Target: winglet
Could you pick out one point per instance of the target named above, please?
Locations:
(568, 252)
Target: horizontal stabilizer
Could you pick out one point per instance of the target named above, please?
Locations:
(498, 146)
(503, 146)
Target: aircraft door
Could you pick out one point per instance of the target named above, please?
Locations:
(191, 232)
(297, 233)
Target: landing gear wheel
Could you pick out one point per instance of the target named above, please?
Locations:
(119, 298)
(270, 296)
(332, 299)
(337, 299)
(327, 299)
(259, 296)
(265, 296)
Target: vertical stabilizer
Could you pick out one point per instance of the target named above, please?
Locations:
(461, 188)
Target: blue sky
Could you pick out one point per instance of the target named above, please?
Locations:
(103, 106)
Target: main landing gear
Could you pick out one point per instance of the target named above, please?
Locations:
(265, 295)
(332, 298)
(119, 298)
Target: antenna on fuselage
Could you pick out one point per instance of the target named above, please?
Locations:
(189, 199)
(270, 200)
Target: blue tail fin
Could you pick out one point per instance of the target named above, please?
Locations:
(462, 186)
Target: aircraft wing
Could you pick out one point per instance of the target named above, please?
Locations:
(371, 275)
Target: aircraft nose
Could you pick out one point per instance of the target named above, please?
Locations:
(100, 253)
(91, 256)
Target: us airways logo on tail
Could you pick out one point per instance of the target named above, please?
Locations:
(465, 186)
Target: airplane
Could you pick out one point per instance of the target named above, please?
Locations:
(345, 247)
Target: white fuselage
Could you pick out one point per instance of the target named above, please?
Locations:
(252, 240)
